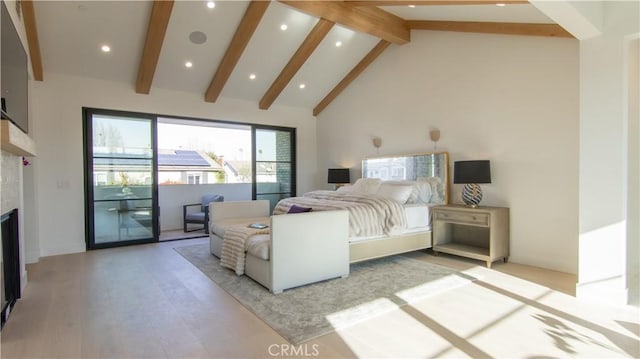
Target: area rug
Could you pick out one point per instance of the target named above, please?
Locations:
(372, 288)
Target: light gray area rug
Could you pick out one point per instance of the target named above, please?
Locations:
(373, 288)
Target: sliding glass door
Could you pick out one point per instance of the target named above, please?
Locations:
(122, 172)
(274, 176)
(121, 205)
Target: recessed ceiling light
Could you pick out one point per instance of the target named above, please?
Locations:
(105, 48)
(338, 43)
(412, 6)
(302, 86)
(188, 64)
(211, 4)
(252, 76)
(500, 4)
(283, 27)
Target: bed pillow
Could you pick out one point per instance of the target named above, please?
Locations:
(396, 192)
(413, 198)
(366, 185)
(344, 189)
(437, 189)
(298, 209)
(424, 192)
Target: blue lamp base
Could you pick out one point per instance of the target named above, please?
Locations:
(471, 194)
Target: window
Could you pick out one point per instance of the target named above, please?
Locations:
(193, 178)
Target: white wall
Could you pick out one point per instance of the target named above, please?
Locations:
(633, 205)
(604, 155)
(510, 99)
(57, 121)
(171, 199)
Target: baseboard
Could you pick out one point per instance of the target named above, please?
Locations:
(65, 249)
(32, 257)
(24, 278)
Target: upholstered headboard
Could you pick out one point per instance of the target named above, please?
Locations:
(432, 168)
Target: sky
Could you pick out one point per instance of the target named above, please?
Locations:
(232, 143)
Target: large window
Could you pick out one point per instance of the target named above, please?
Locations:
(133, 162)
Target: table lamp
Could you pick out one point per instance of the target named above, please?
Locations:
(338, 176)
(470, 173)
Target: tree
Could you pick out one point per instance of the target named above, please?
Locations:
(214, 157)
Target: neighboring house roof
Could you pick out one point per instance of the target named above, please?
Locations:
(231, 168)
(181, 158)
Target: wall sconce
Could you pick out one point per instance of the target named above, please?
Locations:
(377, 142)
(434, 134)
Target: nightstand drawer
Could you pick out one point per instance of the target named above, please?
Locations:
(480, 219)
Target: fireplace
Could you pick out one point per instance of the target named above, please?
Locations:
(10, 268)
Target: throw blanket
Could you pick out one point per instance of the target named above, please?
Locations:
(234, 246)
(368, 216)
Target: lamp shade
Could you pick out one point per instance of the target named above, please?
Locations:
(338, 175)
(471, 172)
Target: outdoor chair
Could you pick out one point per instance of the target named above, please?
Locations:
(202, 215)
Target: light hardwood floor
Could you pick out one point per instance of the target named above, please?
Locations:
(148, 302)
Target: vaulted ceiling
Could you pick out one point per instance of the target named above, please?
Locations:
(241, 49)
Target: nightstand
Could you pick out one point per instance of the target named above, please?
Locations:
(479, 233)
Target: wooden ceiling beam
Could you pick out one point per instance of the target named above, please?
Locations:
(243, 34)
(508, 28)
(156, 30)
(29, 16)
(352, 75)
(431, 2)
(298, 59)
(370, 20)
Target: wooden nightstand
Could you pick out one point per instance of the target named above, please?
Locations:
(480, 233)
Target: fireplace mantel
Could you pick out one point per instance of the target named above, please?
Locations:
(16, 141)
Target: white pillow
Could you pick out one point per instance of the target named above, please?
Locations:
(437, 189)
(345, 189)
(398, 193)
(415, 193)
(366, 185)
(424, 192)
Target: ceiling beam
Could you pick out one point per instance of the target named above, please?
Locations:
(298, 59)
(370, 20)
(508, 28)
(29, 16)
(157, 28)
(245, 30)
(352, 75)
(430, 2)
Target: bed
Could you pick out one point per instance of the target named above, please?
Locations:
(301, 248)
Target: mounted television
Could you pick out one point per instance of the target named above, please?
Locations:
(14, 76)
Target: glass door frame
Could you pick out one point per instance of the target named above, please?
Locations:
(294, 150)
(87, 133)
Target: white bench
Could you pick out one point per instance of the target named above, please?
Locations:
(303, 248)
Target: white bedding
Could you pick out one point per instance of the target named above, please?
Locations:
(418, 220)
(368, 216)
(418, 215)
